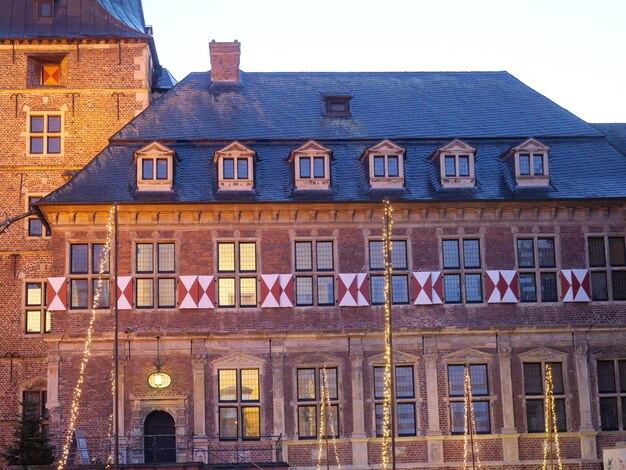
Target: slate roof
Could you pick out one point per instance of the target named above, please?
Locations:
(274, 113)
(162, 79)
(73, 19)
(615, 133)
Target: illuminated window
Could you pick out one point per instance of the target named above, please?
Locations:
(536, 260)
(36, 316)
(479, 385)
(310, 382)
(612, 394)
(89, 279)
(238, 259)
(462, 278)
(399, 278)
(238, 391)
(314, 263)
(534, 389)
(45, 134)
(155, 286)
(406, 424)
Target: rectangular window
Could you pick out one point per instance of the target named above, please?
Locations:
(392, 166)
(242, 168)
(450, 165)
(311, 382)
(37, 317)
(89, 281)
(524, 164)
(400, 276)
(538, 164)
(612, 394)
(536, 261)
(318, 167)
(152, 288)
(534, 390)
(379, 166)
(464, 165)
(237, 258)
(35, 227)
(406, 423)
(462, 279)
(607, 264)
(312, 258)
(239, 388)
(45, 134)
(228, 168)
(161, 169)
(479, 387)
(305, 167)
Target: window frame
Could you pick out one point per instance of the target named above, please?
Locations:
(379, 400)
(239, 404)
(385, 150)
(45, 319)
(45, 134)
(377, 273)
(537, 270)
(312, 151)
(608, 269)
(478, 398)
(88, 276)
(237, 275)
(45, 232)
(335, 402)
(315, 273)
(456, 149)
(155, 276)
(235, 152)
(462, 272)
(531, 148)
(542, 396)
(618, 395)
(154, 153)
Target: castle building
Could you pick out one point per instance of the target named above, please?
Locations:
(73, 73)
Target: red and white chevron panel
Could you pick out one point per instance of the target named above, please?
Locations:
(188, 291)
(124, 293)
(56, 294)
(277, 290)
(427, 288)
(206, 292)
(501, 286)
(353, 290)
(575, 285)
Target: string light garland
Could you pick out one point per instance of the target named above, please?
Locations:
(387, 425)
(78, 389)
(550, 424)
(326, 415)
(470, 445)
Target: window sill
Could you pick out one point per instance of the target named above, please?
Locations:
(460, 182)
(532, 181)
(237, 185)
(313, 184)
(389, 182)
(153, 186)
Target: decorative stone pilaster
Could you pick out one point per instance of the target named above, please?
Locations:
(435, 442)
(278, 387)
(510, 449)
(200, 441)
(52, 400)
(587, 431)
(359, 441)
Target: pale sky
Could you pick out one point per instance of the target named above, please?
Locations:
(572, 51)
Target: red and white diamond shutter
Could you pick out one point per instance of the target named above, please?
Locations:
(188, 291)
(427, 288)
(56, 294)
(124, 292)
(353, 290)
(501, 286)
(206, 292)
(575, 285)
(277, 290)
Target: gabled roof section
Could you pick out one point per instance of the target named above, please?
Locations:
(154, 148)
(456, 146)
(232, 149)
(530, 145)
(386, 147)
(73, 19)
(615, 134)
(311, 148)
(384, 105)
(162, 80)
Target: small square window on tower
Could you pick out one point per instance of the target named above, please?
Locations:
(45, 8)
(337, 105)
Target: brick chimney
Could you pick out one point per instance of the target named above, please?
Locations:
(225, 61)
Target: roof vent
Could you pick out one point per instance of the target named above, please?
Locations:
(337, 105)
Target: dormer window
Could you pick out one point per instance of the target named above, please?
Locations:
(455, 164)
(530, 163)
(386, 165)
(235, 167)
(45, 8)
(154, 167)
(312, 166)
(337, 105)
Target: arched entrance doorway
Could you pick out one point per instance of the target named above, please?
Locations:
(159, 438)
